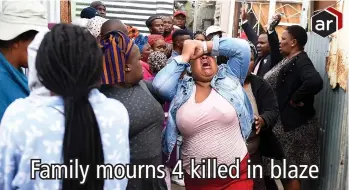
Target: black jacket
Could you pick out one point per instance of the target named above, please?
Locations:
(297, 81)
(268, 110)
(266, 62)
(300, 82)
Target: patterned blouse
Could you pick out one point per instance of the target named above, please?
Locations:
(272, 76)
(32, 130)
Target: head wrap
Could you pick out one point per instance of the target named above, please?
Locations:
(157, 60)
(153, 38)
(138, 38)
(116, 47)
(151, 19)
(253, 49)
(133, 33)
(94, 25)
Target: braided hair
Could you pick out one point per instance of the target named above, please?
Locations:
(69, 64)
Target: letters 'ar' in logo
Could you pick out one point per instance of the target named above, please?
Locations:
(327, 22)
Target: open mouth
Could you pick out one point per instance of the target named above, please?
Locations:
(205, 64)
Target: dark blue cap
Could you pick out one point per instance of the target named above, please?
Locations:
(88, 13)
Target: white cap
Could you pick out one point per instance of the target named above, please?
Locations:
(17, 17)
(213, 29)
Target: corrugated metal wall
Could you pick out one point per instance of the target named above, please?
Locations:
(332, 110)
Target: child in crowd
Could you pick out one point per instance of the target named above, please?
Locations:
(157, 42)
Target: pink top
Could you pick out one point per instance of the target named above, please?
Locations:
(146, 71)
(210, 129)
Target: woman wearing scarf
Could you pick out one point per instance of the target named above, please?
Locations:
(144, 49)
(122, 78)
(20, 22)
(157, 42)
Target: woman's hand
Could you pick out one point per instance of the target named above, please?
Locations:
(243, 14)
(259, 123)
(275, 21)
(192, 49)
(300, 104)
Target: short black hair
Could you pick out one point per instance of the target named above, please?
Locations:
(149, 21)
(26, 36)
(179, 33)
(298, 33)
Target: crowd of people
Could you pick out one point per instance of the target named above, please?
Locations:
(101, 92)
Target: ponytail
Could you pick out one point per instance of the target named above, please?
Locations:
(69, 64)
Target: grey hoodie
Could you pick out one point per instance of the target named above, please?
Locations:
(35, 86)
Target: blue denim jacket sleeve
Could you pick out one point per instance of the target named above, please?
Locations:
(166, 81)
(239, 54)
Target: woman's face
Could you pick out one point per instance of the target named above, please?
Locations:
(200, 37)
(159, 45)
(22, 53)
(133, 70)
(204, 68)
(287, 43)
(157, 27)
(101, 10)
(146, 51)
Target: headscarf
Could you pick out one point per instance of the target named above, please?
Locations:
(138, 38)
(94, 25)
(133, 33)
(157, 60)
(153, 38)
(116, 47)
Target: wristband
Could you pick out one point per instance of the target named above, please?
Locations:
(205, 47)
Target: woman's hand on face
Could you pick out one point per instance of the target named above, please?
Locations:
(192, 49)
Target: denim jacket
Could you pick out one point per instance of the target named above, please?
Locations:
(228, 82)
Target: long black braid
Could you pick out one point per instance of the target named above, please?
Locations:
(69, 64)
